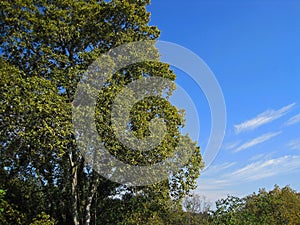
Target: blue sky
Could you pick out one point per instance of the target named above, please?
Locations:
(253, 48)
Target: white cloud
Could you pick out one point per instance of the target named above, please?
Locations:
(293, 120)
(263, 118)
(262, 156)
(216, 169)
(216, 187)
(231, 145)
(294, 145)
(263, 169)
(256, 141)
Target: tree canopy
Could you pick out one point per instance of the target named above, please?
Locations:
(46, 47)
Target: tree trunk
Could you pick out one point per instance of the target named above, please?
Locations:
(91, 194)
(74, 182)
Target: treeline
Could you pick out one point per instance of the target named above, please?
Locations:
(278, 206)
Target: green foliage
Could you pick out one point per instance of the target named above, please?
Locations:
(42, 219)
(9, 213)
(278, 206)
(228, 210)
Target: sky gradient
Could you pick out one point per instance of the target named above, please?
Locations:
(253, 49)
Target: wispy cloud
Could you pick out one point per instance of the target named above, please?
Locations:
(257, 140)
(263, 169)
(216, 169)
(293, 120)
(294, 145)
(263, 118)
(217, 186)
(232, 145)
(263, 156)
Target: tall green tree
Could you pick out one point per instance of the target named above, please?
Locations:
(46, 46)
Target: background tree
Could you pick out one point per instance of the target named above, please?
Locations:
(196, 204)
(46, 46)
(278, 206)
(228, 211)
(197, 209)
